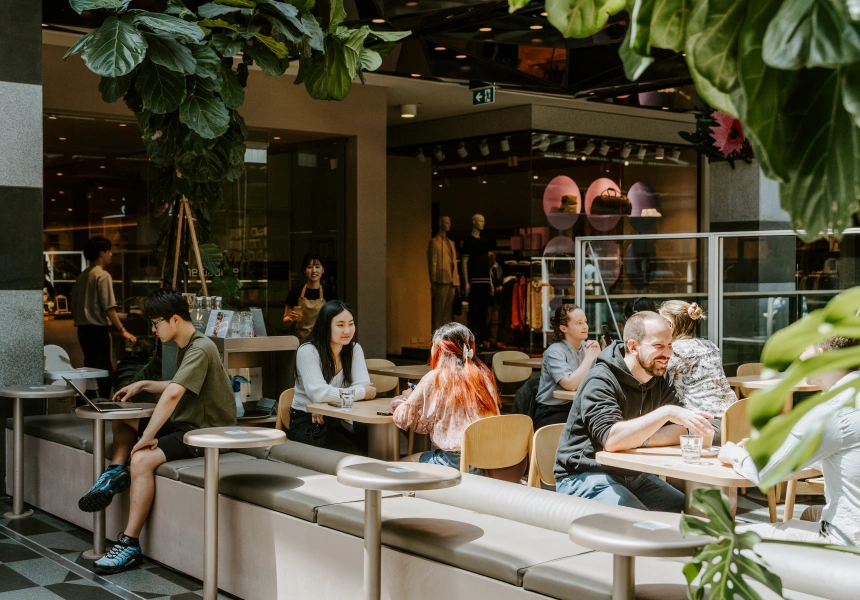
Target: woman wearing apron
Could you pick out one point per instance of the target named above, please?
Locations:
(303, 304)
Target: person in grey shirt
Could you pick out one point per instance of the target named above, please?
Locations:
(565, 363)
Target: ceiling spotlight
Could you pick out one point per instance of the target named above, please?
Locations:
(604, 149)
(506, 144)
(534, 176)
(439, 48)
(544, 143)
(485, 29)
(536, 27)
(408, 111)
(52, 117)
(277, 137)
(440, 156)
(484, 148)
(460, 56)
(676, 154)
(484, 179)
(123, 124)
(570, 145)
(589, 148)
(415, 74)
(60, 175)
(625, 150)
(420, 156)
(659, 153)
(543, 14)
(626, 163)
(474, 166)
(101, 187)
(583, 158)
(641, 154)
(377, 20)
(461, 151)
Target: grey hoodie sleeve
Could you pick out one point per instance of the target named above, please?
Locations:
(600, 409)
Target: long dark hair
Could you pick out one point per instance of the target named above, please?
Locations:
(320, 338)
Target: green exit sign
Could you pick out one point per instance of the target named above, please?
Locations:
(485, 95)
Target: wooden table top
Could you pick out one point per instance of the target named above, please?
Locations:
(667, 461)
(532, 363)
(363, 411)
(563, 395)
(415, 372)
(753, 382)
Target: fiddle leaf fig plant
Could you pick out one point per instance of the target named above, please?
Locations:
(789, 70)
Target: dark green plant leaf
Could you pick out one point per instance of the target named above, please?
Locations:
(810, 33)
(286, 20)
(304, 6)
(369, 59)
(210, 23)
(212, 256)
(726, 564)
(515, 5)
(212, 10)
(137, 366)
(851, 91)
(316, 35)
(580, 18)
(163, 189)
(208, 63)
(170, 26)
(225, 45)
(115, 49)
(268, 62)
(396, 36)
(276, 48)
(169, 53)
(194, 144)
(669, 24)
(326, 77)
(162, 90)
(352, 48)
(205, 114)
(640, 25)
(114, 88)
(239, 3)
(717, 46)
(80, 6)
(232, 92)
(242, 74)
(176, 7)
(634, 63)
(249, 31)
(80, 44)
(336, 15)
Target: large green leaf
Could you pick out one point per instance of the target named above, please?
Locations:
(286, 19)
(635, 62)
(115, 49)
(823, 155)
(851, 91)
(669, 24)
(640, 26)
(326, 76)
(268, 62)
(369, 59)
(810, 33)
(581, 18)
(336, 15)
(316, 35)
(208, 63)
(279, 49)
(114, 88)
(162, 90)
(212, 256)
(726, 564)
(714, 97)
(80, 6)
(515, 5)
(205, 113)
(762, 91)
(240, 3)
(212, 10)
(171, 26)
(232, 92)
(169, 53)
(225, 45)
(717, 46)
(210, 23)
(80, 44)
(176, 7)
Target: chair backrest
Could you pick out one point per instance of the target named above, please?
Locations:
(496, 442)
(382, 383)
(735, 425)
(544, 448)
(285, 402)
(749, 369)
(505, 373)
(57, 359)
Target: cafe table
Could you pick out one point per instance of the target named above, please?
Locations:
(142, 409)
(19, 393)
(80, 373)
(212, 440)
(531, 363)
(383, 436)
(404, 374)
(373, 478)
(654, 534)
(563, 395)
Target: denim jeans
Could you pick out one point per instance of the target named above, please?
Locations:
(446, 459)
(643, 491)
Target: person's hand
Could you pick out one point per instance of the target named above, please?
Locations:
(696, 421)
(395, 402)
(126, 393)
(129, 336)
(725, 451)
(592, 349)
(145, 443)
(369, 391)
(317, 419)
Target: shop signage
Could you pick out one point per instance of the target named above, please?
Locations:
(484, 95)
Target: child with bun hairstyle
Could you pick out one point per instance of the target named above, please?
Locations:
(458, 391)
(696, 367)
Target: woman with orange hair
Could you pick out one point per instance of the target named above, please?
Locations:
(457, 392)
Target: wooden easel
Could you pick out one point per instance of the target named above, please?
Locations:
(184, 217)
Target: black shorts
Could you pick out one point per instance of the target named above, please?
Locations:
(170, 440)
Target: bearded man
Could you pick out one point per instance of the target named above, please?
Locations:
(624, 402)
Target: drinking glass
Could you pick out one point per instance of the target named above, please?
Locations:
(247, 325)
(347, 398)
(691, 448)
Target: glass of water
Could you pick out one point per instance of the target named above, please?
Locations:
(347, 398)
(691, 448)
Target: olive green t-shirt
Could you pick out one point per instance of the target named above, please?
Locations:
(208, 400)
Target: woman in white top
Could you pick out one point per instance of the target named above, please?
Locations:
(326, 363)
(695, 368)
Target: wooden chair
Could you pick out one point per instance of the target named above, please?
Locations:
(745, 370)
(544, 448)
(383, 383)
(497, 443)
(507, 374)
(285, 402)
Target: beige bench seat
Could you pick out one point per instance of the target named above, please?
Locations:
(317, 459)
(497, 548)
(171, 469)
(284, 488)
(65, 429)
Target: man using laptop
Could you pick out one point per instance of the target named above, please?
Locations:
(198, 396)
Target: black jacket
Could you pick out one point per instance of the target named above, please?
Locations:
(608, 394)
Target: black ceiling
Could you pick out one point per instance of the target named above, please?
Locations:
(522, 50)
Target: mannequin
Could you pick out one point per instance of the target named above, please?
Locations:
(476, 279)
(442, 265)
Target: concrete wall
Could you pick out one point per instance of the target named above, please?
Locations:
(743, 199)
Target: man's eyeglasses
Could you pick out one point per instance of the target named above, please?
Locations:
(155, 323)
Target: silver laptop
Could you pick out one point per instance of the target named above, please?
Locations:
(103, 406)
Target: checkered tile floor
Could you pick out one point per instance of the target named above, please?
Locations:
(40, 559)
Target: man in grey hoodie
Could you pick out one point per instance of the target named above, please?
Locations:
(625, 402)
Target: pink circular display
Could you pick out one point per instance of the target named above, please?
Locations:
(642, 196)
(601, 222)
(562, 202)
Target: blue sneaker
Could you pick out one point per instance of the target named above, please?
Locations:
(126, 553)
(115, 480)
